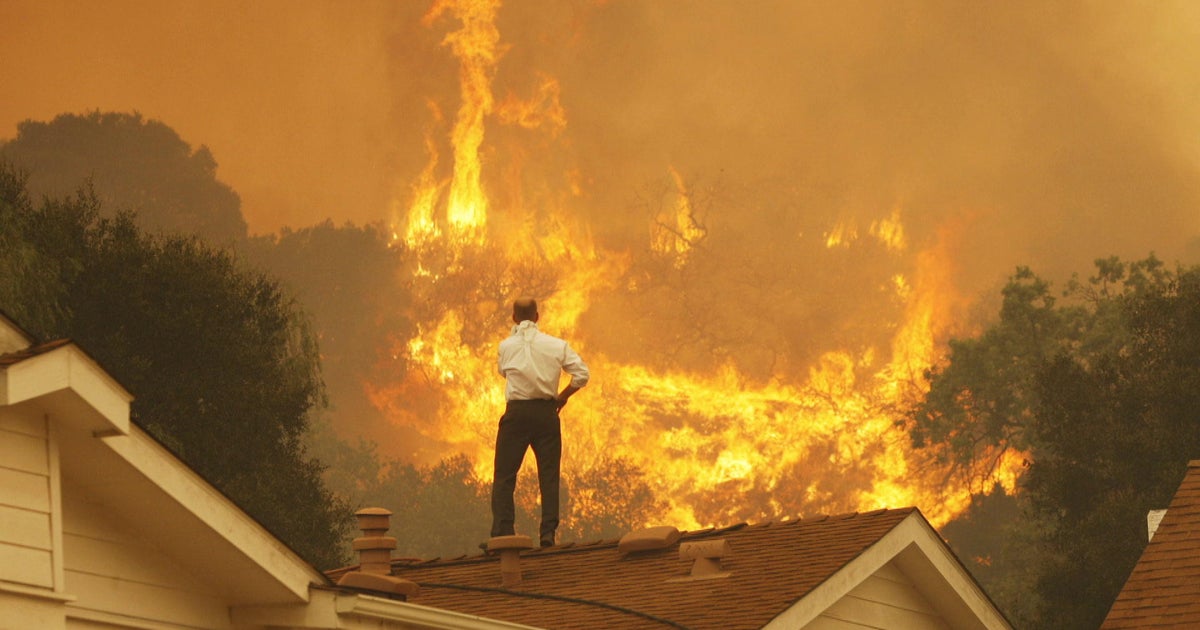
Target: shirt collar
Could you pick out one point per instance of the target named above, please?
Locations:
(525, 325)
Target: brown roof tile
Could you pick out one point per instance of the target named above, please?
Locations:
(1164, 588)
(772, 565)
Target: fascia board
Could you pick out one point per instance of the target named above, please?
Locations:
(329, 609)
(911, 536)
(319, 612)
(936, 567)
(375, 609)
(65, 376)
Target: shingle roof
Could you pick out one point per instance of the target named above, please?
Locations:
(1163, 591)
(30, 352)
(593, 585)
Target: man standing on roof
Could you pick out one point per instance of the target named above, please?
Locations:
(531, 363)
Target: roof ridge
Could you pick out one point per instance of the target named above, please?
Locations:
(603, 543)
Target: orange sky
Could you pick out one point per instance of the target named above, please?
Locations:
(1041, 134)
(1069, 128)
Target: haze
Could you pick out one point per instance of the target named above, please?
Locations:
(1066, 129)
(996, 135)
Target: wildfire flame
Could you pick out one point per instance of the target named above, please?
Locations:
(714, 447)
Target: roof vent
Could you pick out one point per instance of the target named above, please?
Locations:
(706, 556)
(374, 549)
(509, 548)
(649, 539)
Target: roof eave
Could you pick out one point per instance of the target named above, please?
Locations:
(919, 551)
(331, 608)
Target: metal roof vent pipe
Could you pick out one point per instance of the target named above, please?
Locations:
(509, 548)
(706, 556)
(374, 549)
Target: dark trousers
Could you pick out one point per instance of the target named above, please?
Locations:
(525, 424)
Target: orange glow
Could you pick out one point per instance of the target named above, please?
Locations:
(544, 111)
(452, 115)
(716, 447)
(676, 231)
(477, 47)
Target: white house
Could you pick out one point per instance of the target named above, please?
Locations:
(101, 527)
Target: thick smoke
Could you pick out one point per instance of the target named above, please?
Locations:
(1019, 132)
(1065, 129)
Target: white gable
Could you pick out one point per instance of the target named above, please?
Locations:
(909, 579)
(101, 527)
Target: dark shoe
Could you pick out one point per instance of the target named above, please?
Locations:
(547, 542)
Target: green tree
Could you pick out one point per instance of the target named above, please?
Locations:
(980, 401)
(606, 500)
(223, 367)
(997, 543)
(30, 281)
(1100, 391)
(134, 164)
(1113, 436)
(349, 280)
(439, 510)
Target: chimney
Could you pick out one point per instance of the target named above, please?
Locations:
(706, 556)
(509, 548)
(374, 549)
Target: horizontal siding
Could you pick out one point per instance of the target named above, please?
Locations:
(19, 611)
(899, 594)
(27, 453)
(26, 539)
(25, 423)
(147, 602)
(829, 623)
(26, 566)
(872, 614)
(120, 559)
(886, 599)
(25, 490)
(24, 528)
(112, 570)
(892, 572)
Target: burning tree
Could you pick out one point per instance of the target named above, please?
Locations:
(731, 375)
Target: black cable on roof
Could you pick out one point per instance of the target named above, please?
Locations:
(561, 598)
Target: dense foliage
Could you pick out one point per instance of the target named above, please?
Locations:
(349, 280)
(223, 366)
(1100, 392)
(135, 164)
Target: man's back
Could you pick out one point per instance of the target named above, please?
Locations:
(531, 362)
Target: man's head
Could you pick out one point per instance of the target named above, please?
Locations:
(525, 308)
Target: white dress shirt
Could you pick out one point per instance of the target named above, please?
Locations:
(532, 361)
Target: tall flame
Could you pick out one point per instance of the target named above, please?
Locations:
(714, 447)
(477, 46)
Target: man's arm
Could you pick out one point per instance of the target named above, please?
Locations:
(579, 372)
(566, 393)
